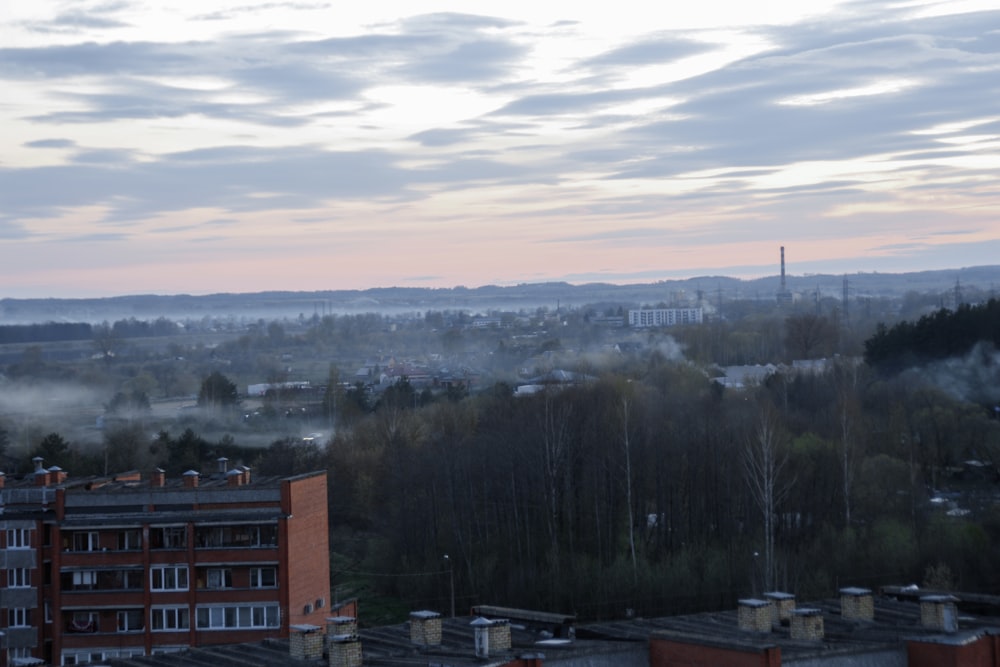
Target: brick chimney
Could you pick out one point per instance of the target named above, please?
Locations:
(806, 624)
(3, 478)
(341, 625)
(246, 474)
(41, 477)
(499, 632)
(305, 642)
(191, 479)
(939, 612)
(345, 651)
(57, 475)
(425, 628)
(158, 478)
(234, 477)
(857, 604)
(754, 615)
(782, 606)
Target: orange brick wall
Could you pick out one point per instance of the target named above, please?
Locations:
(308, 549)
(983, 652)
(667, 653)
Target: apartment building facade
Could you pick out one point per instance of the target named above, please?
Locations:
(665, 317)
(141, 564)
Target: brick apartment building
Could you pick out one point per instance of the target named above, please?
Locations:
(134, 565)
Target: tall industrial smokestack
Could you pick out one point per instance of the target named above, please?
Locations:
(783, 295)
(782, 268)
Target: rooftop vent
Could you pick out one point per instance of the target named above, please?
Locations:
(754, 615)
(191, 479)
(806, 624)
(939, 612)
(857, 604)
(305, 642)
(782, 605)
(425, 628)
(345, 651)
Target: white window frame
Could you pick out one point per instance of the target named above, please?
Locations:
(18, 577)
(168, 578)
(127, 621)
(19, 538)
(261, 616)
(257, 578)
(218, 578)
(169, 619)
(84, 580)
(18, 617)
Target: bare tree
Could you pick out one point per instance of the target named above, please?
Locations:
(764, 462)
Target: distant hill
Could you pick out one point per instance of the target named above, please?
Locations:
(487, 297)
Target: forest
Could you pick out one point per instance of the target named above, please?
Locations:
(645, 487)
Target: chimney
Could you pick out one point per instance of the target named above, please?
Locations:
(482, 639)
(234, 477)
(857, 604)
(57, 475)
(782, 268)
(305, 642)
(246, 474)
(806, 624)
(191, 479)
(939, 612)
(3, 478)
(782, 605)
(499, 633)
(425, 628)
(345, 651)
(38, 461)
(41, 477)
(223, 464)
(341, 625)
(754, 615)
(158, 478)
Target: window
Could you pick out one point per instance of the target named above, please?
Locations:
(83, 621)
(248, 616)
(85, 580)
(263, 577)
(169, 577)
(218, 577)
(86, 541)
(129, 540)
(130, 620)
(19, 577)
(18, 538)
(18, 617)
(168, 537)
(237, 536)
(169, 618)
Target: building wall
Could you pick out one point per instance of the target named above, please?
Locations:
(670, 653)
(307, 556)
(982, 652)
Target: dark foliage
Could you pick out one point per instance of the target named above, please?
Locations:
(941, 335)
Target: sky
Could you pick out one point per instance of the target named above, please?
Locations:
(240, 146)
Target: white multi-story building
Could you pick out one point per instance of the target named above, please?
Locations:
(664, 317)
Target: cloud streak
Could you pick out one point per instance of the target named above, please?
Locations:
(543, 145)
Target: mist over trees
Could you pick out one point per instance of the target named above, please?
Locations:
(629, 478)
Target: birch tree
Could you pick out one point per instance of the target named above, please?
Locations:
(764, 465)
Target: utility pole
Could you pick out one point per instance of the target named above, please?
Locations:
(451, 583)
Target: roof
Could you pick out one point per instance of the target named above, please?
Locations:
(895, 622)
